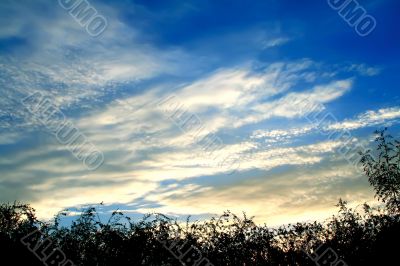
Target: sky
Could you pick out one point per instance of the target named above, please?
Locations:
(239, 71)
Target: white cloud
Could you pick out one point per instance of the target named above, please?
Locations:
(286, 106)
(368, 119)
(364, 70)
(279, 135)
(384, 116)
(275, 42)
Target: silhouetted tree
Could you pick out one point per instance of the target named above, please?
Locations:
(383, 169)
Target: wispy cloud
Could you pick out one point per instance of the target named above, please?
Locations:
(385, 116)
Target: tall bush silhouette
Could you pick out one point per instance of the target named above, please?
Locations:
(383, 169)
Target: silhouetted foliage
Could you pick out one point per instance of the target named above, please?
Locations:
(383, 169)
(359, 239)
(367, 237)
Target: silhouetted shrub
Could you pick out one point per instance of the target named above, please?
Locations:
(358, 239)
(383, 170)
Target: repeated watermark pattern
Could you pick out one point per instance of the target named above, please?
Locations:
(190, 123)
(188, 255)
(86, 15)
(355, 15)
(322, 255)
(6, 118)
(49, 115)
(350, 149)
(45, 250)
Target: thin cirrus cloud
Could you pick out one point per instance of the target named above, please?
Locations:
(385, 116)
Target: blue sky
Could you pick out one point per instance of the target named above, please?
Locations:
(238, 66)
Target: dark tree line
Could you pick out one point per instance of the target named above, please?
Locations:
(368, 237)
